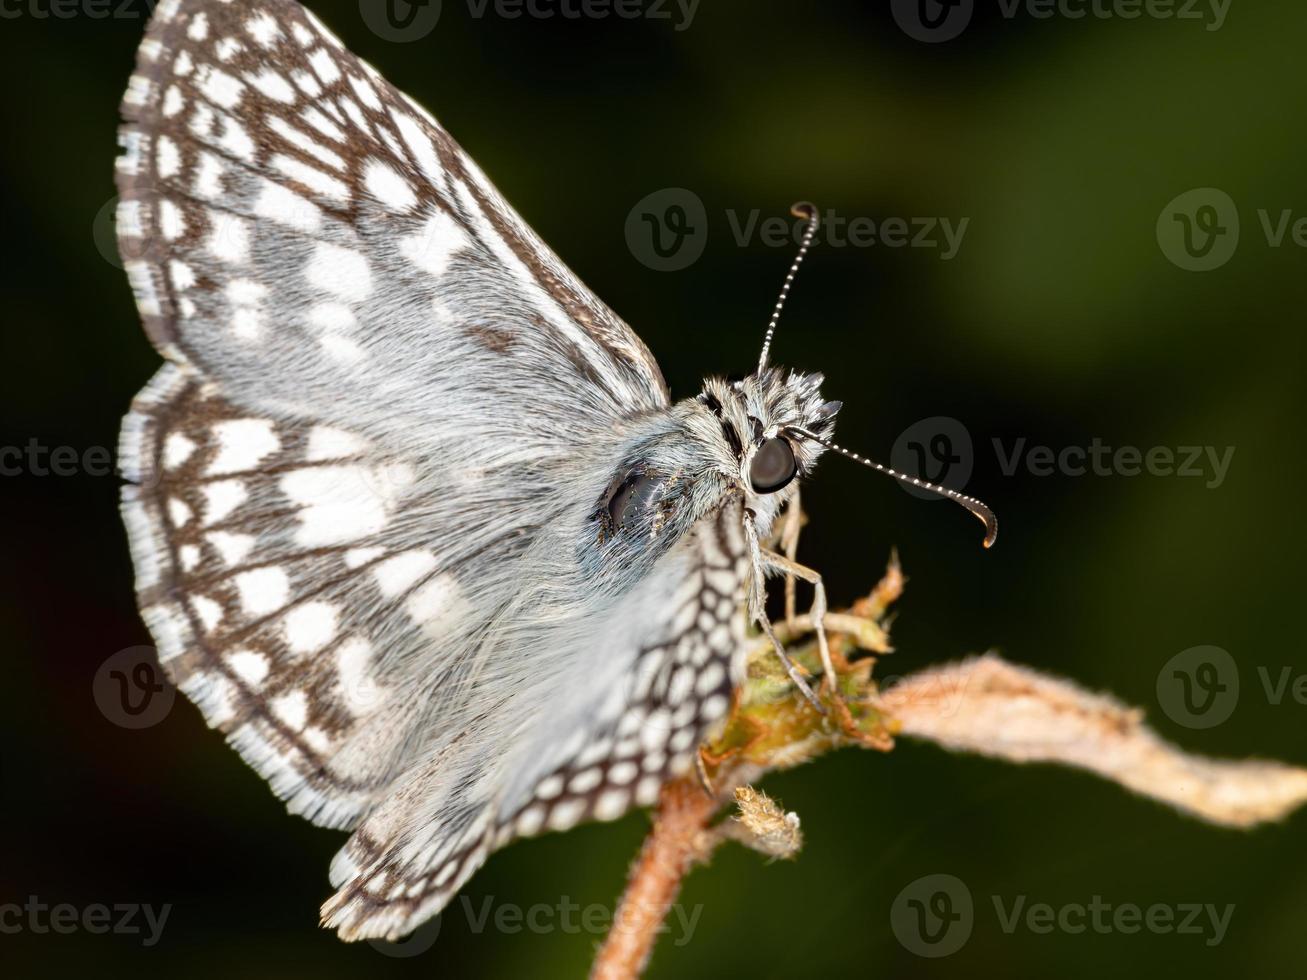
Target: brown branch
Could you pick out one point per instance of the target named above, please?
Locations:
(982, 705)
(769, 728)
(680, 838)
(991, 707)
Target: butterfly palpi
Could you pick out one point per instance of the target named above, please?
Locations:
(415, 522)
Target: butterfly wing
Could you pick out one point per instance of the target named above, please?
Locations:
(321, 263)
(359, 483)
(672, 653)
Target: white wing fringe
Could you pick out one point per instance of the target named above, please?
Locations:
(993, 708)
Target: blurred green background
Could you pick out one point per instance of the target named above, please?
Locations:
(1060, 320)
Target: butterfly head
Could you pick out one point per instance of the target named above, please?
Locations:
(758, 419)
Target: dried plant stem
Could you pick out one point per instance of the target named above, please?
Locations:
(982, 705)
(680, 839)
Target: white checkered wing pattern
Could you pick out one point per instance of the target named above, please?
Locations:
(352, 499)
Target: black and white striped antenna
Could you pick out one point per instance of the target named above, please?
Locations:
(803, 209)
(983, 513)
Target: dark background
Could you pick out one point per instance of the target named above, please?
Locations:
(1059, 321)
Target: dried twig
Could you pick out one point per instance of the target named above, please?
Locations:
(679, 839)
(994, 708)
(982, 705)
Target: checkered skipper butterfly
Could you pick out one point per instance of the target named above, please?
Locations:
(414, 520)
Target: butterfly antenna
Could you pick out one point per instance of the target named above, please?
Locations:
(803, 209)
(985, 515)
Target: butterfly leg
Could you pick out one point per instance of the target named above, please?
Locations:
(790, 545)
(758, 610)
(792, 569)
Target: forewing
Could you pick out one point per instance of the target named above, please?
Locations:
(662, 675)
(295, 226)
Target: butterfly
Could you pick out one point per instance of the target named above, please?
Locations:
(414, 519)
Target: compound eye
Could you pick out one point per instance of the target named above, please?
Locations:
(631, 497)
(773, 466)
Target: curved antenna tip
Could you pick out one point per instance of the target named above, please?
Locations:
(982, 513)
(804, 209)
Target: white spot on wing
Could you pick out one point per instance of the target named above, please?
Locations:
(178, 512)
(229, 237)
(171, 222)
(311, 627)
(250, 666)
(263, 590)
(263, 29)
(342, 271)
(219, 87)
(388, 187)
(209, 612)
(167, 158)
(221, 498)
(352, 659)
(291, 709)
(337, 503)
(398, 574)
(233, 548)
(328, 443)
(177, 449)
(286, 207)
(435, 244)
(438, 605)
(325, 66)
(611, 804)
(243, 444)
